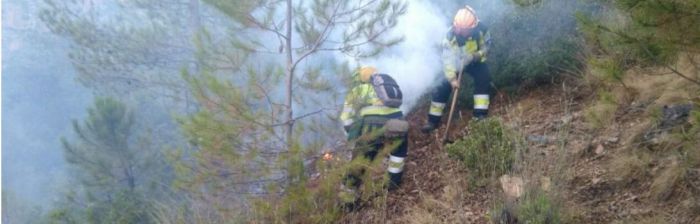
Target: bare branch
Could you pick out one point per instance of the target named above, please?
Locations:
(305, 115)
(257, 23)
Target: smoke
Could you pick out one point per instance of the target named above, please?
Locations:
(517, 32)
(415, 62)
(39, 100)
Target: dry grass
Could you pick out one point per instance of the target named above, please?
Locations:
(657, 219)
(662, 86)
(571, 212)
(529, 104)
(542, 175)
(652, 87)
(429, 210)
(602, 112)
(627, 167)
(667, 180)
(448, 207)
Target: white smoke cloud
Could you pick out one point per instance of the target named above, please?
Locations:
(415, 63)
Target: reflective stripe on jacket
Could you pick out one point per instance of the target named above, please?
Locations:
(454, 48)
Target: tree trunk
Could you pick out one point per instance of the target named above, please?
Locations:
(290, 76)
(288, 103)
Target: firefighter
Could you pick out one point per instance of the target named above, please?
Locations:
(466, 45)
(372, 119)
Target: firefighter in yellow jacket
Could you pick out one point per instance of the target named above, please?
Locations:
(466, 45)
(373, 106)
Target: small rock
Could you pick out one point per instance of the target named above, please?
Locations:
(634, 198)
(595, 180)
(512, 186)
(675, 115)
(539, 139)
(613, 139)
(599, 150)
(566, 119)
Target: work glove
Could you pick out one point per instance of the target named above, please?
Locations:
(454, 83)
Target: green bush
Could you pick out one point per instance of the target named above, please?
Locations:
(319, 201)
(538, 208)
(489, 149)
(534, 207)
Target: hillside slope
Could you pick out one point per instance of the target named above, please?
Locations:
(574, 162)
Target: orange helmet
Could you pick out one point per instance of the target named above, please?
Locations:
(465, 20)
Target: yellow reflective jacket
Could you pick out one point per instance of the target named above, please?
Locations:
(454, 48)
(362, 98)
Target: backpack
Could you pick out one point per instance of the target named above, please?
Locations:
(387, 90)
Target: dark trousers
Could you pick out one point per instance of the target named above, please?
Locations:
(482, 86)
(370, 144)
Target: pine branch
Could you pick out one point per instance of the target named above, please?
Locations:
(321, 38)
(648, 52)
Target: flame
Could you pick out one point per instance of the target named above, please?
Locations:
(327, 156)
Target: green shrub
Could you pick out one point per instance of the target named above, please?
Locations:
(602, 112)
(488, 150)
(318, 201)
(538, 208)
(535, 207)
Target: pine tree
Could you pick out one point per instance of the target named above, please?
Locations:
(133, 50)
(132, 47)
(113, 167)
(646, 33)
(248, 139)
